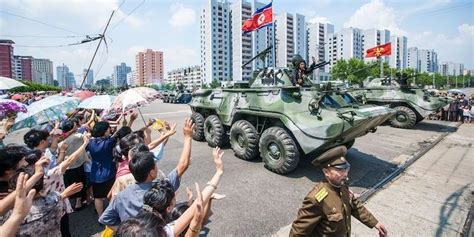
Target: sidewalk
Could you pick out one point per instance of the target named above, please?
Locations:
(432, 197)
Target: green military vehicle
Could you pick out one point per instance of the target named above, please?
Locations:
(177, 97)
(412, 104)
(271, 118)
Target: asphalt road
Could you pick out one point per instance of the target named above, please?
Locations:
(259, 202)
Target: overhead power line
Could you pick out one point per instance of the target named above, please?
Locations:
(128, 14)
(39, 22)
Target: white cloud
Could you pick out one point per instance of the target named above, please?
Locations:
(179, 57)
(320, 19)
(182, 16)
(458, 48)
(376, 15)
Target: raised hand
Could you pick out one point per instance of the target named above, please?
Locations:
(171, 131)
(133, 116)
(189, 192)
(217, 154)
(86, 138)
(63, 147)
(23, 201)
(40, 164)
(188, 128)
(71, 190)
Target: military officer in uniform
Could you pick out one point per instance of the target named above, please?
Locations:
(328, 208)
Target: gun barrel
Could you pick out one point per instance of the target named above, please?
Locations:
(261, 54)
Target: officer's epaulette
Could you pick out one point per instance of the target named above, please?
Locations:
(321, 194)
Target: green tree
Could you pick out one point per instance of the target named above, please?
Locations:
(215, 84)
(353, 70)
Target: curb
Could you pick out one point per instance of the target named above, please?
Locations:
(402, 167)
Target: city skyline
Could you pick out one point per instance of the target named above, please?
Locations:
(178, 32)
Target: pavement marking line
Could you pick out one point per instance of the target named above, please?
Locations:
(162, 113)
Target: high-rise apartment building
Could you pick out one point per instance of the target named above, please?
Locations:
(89, 82)
(290, 32)
(413, 60)
(428, 60)
(346, 44)
(216, 58)
(318, 37)
(42, 71)
(190, 77)
(422, 60)
(65, 77)
(119, 78)
(23, 68)
(149, 67)
(399, 56)
(451, 69)
(6, 58)
(245, 46)
(372, 38)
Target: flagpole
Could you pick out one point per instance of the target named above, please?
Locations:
(381, 67)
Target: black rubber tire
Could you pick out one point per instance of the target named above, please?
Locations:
(349, 144)
(404, 118)
(198, 132)
(287, 156)
(214, 132)
(244, 140)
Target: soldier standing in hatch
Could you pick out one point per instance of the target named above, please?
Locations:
(301, 72)
(327, 209)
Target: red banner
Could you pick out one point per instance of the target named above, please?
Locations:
(380, 50)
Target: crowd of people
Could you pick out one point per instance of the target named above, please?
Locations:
(461, 108)
(84, 159)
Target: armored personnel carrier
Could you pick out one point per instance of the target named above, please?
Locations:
(177, 97)
(412, 104)
(269, 117)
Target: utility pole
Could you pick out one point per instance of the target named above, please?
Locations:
(97, 49)
(434, 86)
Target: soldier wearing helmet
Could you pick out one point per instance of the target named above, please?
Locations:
(328, 208)
(301, 72)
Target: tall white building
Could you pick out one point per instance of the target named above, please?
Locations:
(399, 56)
(346, 44)
(246, 46)
(89, 82)
(374, 37)
(119, 78)
(190, 77)
(428, 60)
(290, 37)
(318, 37)
(413, 60)
(451, 69)
(42, 71)
(132, 78)
(216, 41)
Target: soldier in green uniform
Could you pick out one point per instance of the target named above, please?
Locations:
(327, 209)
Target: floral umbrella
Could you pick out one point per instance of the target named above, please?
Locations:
(45, 110)
(98, 102)
(82, 95)
(10, 108)
(134, 98)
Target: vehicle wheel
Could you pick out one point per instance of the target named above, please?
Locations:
(404, 118)
(278, 150)
(214, 132)
(198, 131)
(349, 144)
(244, 140)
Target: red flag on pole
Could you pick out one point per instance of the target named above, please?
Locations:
(261, 18)
(379, 50)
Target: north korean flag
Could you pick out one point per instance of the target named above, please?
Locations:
(261, 18)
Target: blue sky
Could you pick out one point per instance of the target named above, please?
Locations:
(446, 26)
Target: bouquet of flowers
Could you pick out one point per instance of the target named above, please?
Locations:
(10, 109)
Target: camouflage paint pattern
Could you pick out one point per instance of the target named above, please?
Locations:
(391, 93)
(339, 118)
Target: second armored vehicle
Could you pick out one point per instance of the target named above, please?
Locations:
(412, 104)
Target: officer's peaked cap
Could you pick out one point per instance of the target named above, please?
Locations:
(334, 157)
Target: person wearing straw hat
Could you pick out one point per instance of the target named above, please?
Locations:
(327, 209)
